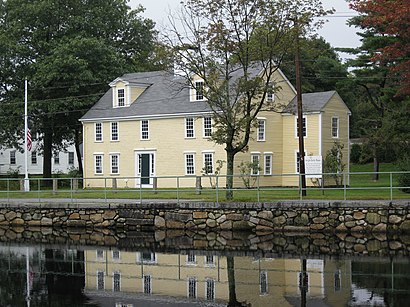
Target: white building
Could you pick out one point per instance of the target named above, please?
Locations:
(12, 159)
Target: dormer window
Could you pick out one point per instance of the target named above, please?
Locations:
(199, 89)
(197, 92)
(121, 97)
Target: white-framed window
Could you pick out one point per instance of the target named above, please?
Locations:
(191, 258)
(116, 281)
(297, 161)
(13, 157)
(335, 127)
(98, 164)
(70, 158)
(146, 257)
(115, 163)
(261, 130)
(210, 289)
(199, 90)
(98, 128)
(255, 160)
(192, 287)
(304, 125)
(209, 260)
(207, 124)
(270, 96)
(116, 255)
(263, 282)
(147, 284)
(121, 97)
(189, 164)
(99, 254)
(189, 128)
(208, 162)
(144, 130)
(267, 169)
(100, 280)
(34, 157)
(115, 131)
(57, 158)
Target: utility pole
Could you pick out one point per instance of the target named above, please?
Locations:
(302, 183)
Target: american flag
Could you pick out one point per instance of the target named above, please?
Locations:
(29, 142)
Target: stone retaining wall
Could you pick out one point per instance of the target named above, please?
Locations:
(300, 216)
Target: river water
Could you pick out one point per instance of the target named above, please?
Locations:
(58, 270)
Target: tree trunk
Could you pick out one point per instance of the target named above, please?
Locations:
(47, 155)
(229, 175)
(77, 150)
(231, 282)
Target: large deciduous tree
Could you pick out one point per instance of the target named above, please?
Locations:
(389, 18)
(221, 42)
(379, 74)
(67, 49)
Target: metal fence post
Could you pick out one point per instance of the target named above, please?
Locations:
(217, 188)
(178, 189)
(105, 189)
(344, 186)
(391, 186)
(258, 190)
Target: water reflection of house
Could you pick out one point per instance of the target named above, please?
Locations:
(263, 281)
(205, 277)
(201, 277)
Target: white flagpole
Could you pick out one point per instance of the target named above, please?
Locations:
(26, 180)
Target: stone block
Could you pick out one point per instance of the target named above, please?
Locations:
(159, 222)
(200, 215)
(373, 218)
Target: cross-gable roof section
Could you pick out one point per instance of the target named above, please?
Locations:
(313, 102)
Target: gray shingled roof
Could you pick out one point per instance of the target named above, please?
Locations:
(165, 94)
(311, 102)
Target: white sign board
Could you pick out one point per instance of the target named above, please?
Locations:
(313, 166)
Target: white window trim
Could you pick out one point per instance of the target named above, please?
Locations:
(193, 91)
(102, 163)
(213, 288)
(103, 280)
(102, 132)
(203, 126)
(118, 162)
(265, 155)
(118, 131)
(337, 127)
(256, 154)
(193, 128)
(193, 162)
(196, 286)
(150, 283)
(119, 281)
(296, 161)
(117, 101)
(213, 160)
(149, 135)
(263, 120)
(306, 126)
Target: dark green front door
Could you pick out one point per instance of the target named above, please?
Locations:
(145, 168)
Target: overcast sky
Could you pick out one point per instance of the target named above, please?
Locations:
(335, 31)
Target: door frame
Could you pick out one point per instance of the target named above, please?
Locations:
(152, 165)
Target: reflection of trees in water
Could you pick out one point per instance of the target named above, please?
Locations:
(13, 279)
(233, 302)
(387, 279)
(65, 275)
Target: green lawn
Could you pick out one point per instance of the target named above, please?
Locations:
(362, 186)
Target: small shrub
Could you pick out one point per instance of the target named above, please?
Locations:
(246, 170)
(13, 173)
